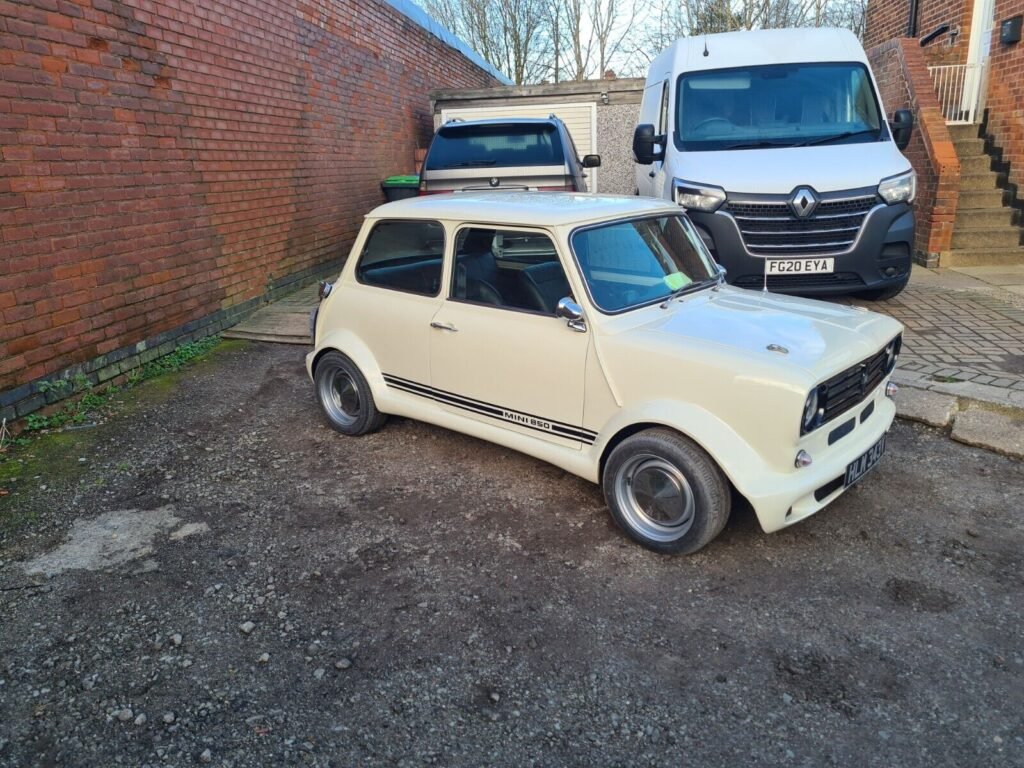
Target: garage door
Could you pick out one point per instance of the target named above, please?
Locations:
(580, 119)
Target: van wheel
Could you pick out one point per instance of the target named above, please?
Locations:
(666, 492)
(345, 396)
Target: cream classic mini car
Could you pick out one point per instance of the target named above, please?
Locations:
(597, 334)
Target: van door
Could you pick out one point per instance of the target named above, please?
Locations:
(650, 179)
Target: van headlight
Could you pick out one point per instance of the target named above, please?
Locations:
(810, 416)
(899, 189)
(698, 197)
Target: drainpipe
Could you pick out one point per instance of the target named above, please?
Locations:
(912, 22)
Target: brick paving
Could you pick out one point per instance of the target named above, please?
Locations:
(959, 331)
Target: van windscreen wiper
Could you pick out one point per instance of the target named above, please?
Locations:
(759, 144)
(836, 137)
(471, 164)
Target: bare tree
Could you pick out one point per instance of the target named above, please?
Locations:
(612, 22)
(534, 40)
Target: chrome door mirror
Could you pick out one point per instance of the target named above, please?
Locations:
(573, 314)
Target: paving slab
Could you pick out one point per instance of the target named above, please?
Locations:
(999, 430)
(932, 408)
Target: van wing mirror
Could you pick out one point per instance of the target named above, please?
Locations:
(591, 161)
(644, 142)
(902, 126)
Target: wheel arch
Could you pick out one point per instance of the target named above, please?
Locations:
(716, 449)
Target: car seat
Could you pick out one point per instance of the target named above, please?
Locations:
(476, 273)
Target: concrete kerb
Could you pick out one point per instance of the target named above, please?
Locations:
(985, 417)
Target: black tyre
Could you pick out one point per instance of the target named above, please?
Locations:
(883, 294)
(345, 396)
(666, 492)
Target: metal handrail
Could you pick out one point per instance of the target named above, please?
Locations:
(958, 87)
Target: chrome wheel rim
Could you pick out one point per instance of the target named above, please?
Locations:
(340, 395)
(655, 498)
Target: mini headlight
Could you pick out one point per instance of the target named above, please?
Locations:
(698, 197)
(810, 412)
(899, 189)
(892, 352)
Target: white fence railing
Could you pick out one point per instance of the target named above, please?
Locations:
(958, 87)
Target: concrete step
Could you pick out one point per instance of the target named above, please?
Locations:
(983, 217)
(960, 132)
(976, 164)
(982, 257)
(978, 238)
(969, 148)
(980, 198)
(986, 180)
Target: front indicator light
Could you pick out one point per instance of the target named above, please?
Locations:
(899, 189)
(891, 388)
(698, 197)
(803, 459)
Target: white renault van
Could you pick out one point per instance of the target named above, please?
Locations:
(776, 144)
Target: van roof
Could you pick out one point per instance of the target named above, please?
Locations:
(521, 208)
(755, 47)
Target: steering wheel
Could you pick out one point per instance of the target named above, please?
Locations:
(710, 120)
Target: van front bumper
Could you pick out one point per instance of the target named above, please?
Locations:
(787, 498)
(879, 259)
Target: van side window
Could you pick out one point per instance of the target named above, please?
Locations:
(403, 256)
(511, 270)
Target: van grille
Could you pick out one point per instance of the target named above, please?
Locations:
(771, 229)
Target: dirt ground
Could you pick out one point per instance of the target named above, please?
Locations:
(215, 577)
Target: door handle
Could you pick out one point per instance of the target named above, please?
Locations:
(443, 326)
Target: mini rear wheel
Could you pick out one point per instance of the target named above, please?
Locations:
(345, 396)
(666, 492)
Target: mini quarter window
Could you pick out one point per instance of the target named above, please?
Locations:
(403, 256)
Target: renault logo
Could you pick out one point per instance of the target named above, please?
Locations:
(803, 202)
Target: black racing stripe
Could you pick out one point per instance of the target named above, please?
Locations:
(481, 404)
(486, 409)
(490, 410)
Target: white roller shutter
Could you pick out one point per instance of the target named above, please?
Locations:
(580, 119)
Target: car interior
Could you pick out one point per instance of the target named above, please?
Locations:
(514, 270)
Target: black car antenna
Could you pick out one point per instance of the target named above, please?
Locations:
(706, 46)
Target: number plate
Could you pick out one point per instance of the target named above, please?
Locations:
(856, 469)
(800, 266)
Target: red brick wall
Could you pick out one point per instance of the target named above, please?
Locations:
(904, 82)
(164, 159)
(1005, 100)
(888, 20)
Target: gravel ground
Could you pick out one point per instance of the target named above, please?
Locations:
(214, 577)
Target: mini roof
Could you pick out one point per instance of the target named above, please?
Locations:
(543, 209)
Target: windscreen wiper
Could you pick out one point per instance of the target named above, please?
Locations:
(836, 137)
(471, 164)
(760, 144)
(686, 289)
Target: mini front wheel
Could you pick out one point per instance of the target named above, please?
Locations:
(666, 492)
(345, 396)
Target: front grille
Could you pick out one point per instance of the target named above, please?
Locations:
(849, 388)
(797, 282)
(772, 229)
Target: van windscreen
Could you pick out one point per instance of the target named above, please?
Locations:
(494, 146)
(777, 105)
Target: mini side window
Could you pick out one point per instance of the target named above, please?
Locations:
(507, 269)
(403, 256)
